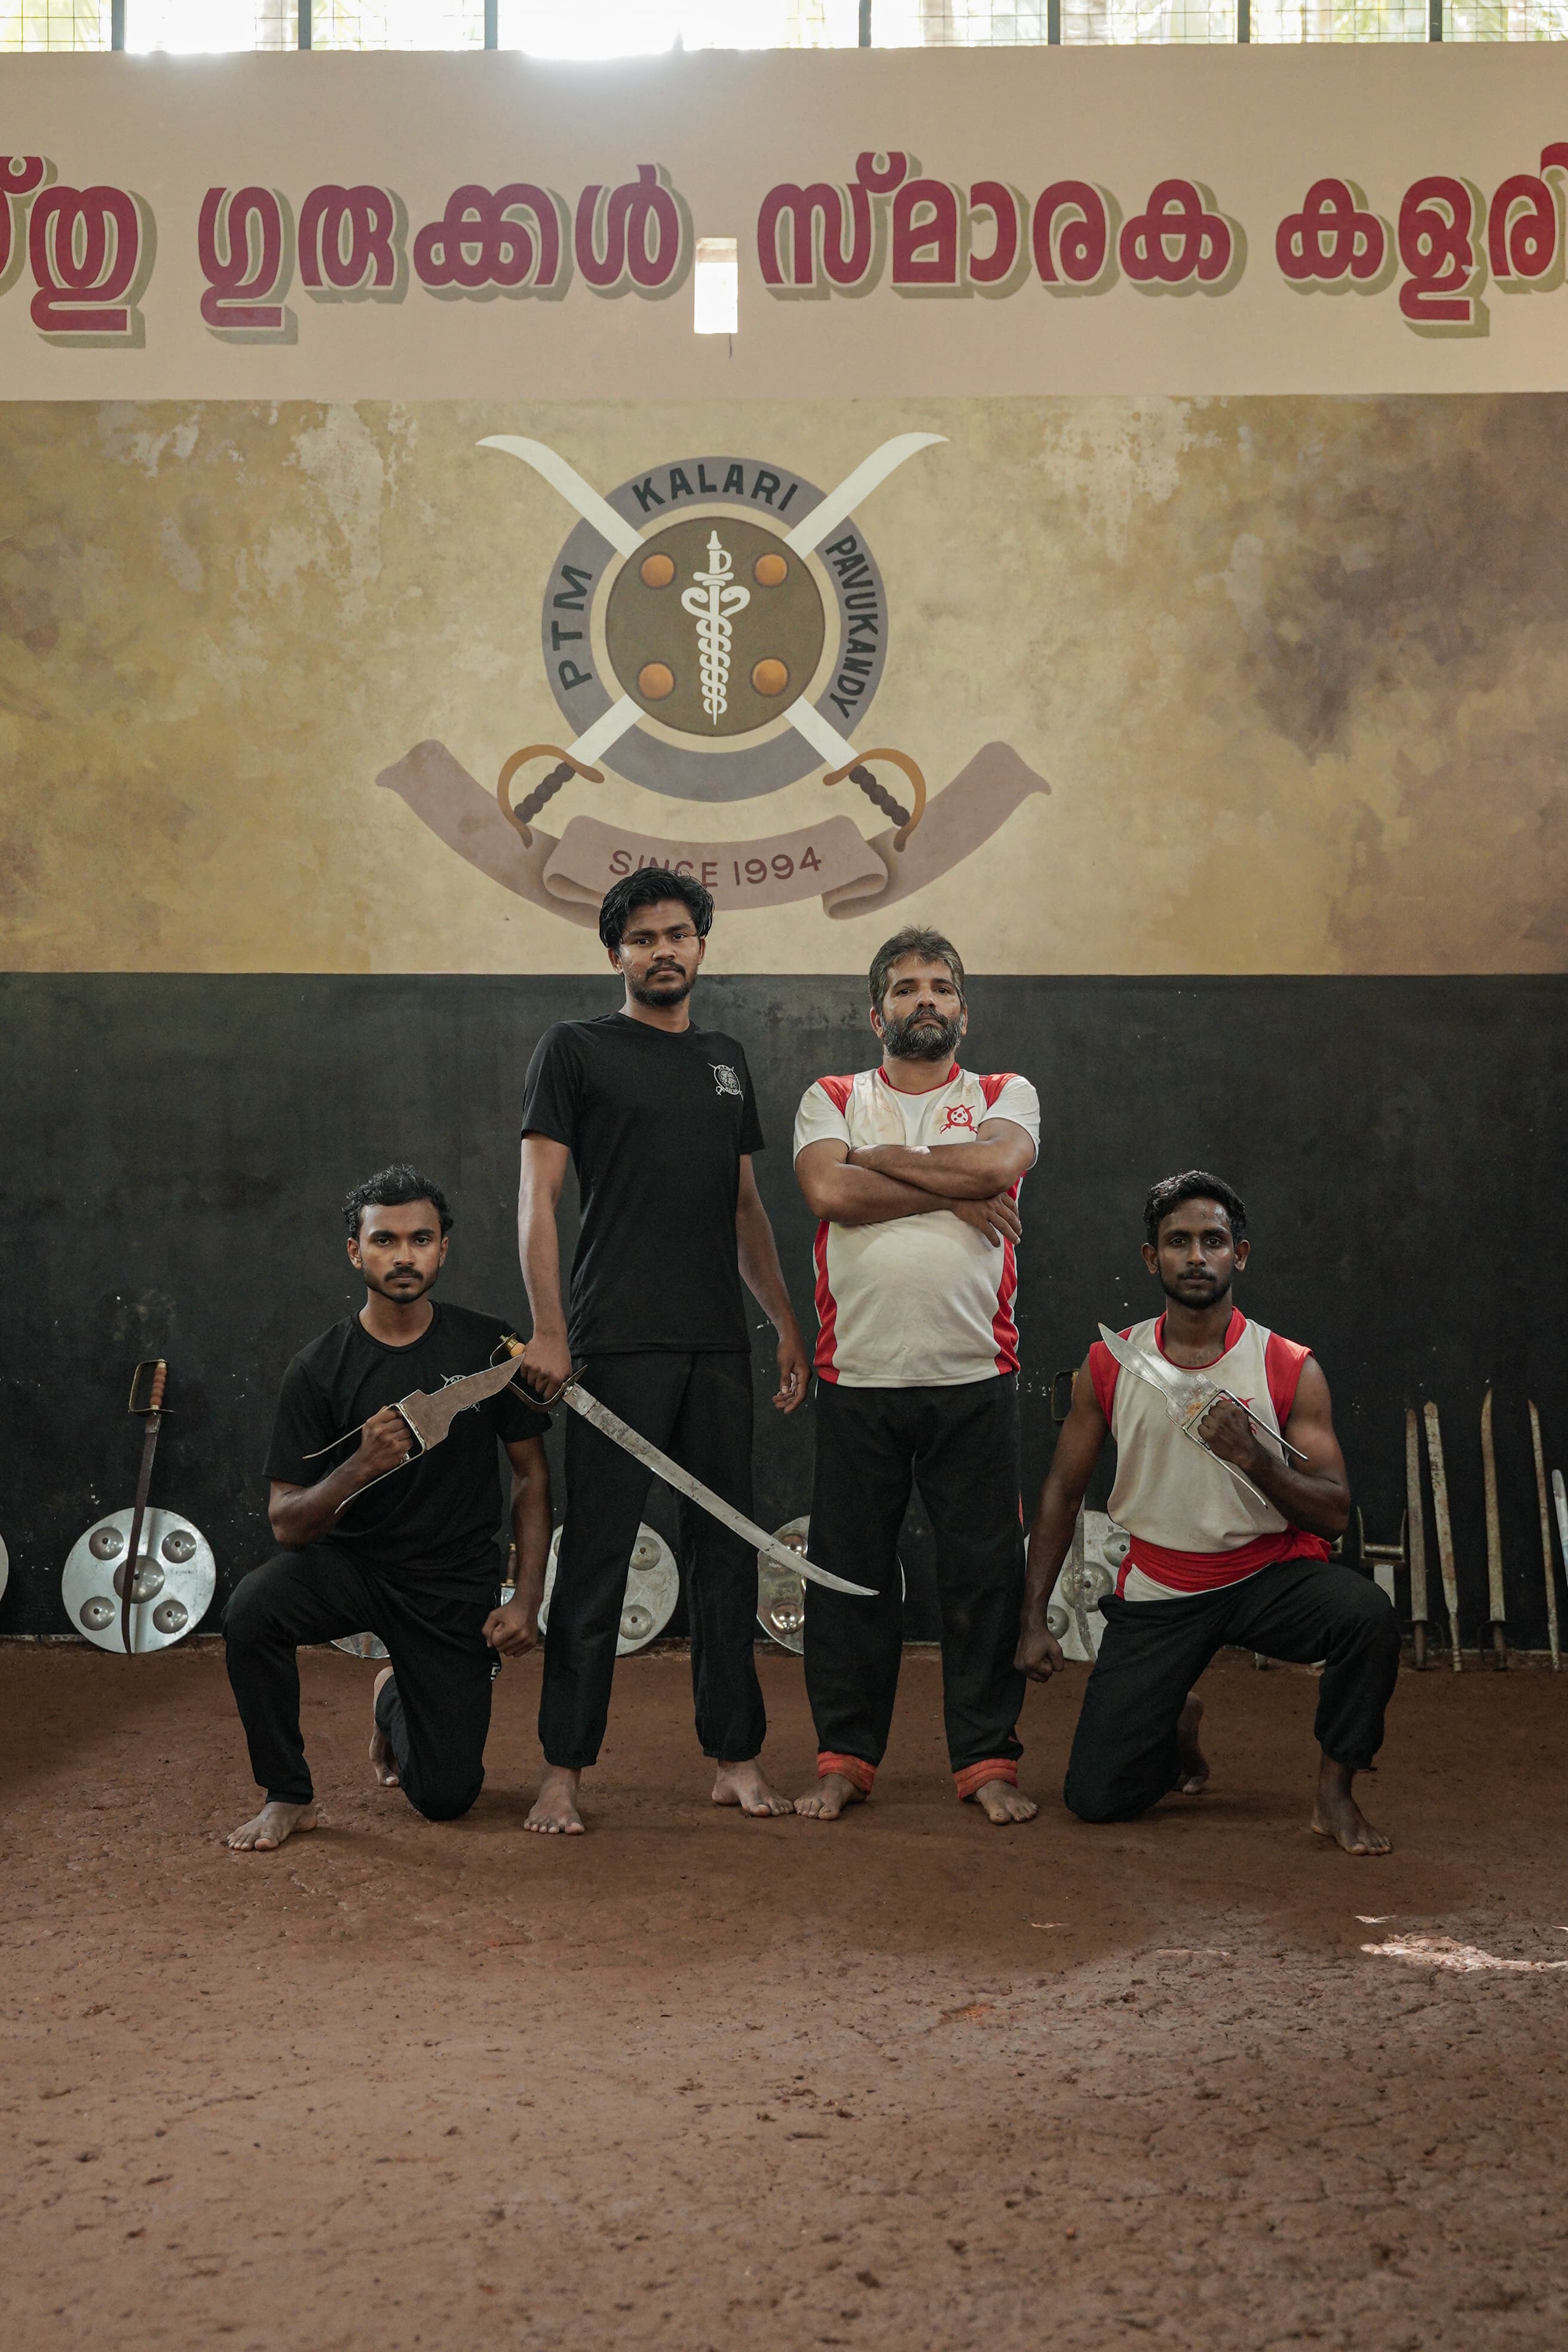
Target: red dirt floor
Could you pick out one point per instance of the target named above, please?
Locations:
(718, 2086)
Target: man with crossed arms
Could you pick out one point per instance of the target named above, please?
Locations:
(913, 1169)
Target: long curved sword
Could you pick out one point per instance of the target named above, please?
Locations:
(808, 533)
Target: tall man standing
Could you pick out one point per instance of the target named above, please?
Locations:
(914, 1170)
(1210, 1561)
(659, 1120)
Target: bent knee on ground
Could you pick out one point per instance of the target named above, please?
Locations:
(444, 1800)
(1089, 1801)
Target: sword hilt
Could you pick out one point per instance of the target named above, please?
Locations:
(513, 1346)
(859, 773)
(566, 767)
(152, 1399)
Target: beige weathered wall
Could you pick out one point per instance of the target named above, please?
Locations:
(1295, 670)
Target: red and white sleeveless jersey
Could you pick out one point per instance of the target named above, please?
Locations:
(914, 1302)
(1193, 1526)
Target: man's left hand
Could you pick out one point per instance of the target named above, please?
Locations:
(792, 1373)
(1225, 1430)
(514, 1630)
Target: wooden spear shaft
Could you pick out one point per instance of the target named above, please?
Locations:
(1545, 1539)
(1495, 1605)
(1443, 1530)
(1418, 1615)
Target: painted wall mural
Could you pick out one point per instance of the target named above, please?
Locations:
(1252, 685)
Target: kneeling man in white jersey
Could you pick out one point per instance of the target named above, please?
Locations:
(913, 1167)
(1213, 1560)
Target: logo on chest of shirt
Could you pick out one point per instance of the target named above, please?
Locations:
(725, 1081)
(957, 1115)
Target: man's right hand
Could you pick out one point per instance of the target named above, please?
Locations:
(997, 1218)
(546, 1363)
(384, 1441)
(1039, 1654)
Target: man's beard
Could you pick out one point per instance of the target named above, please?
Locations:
(921, 1037)
(402, 1296)
(664, 988)
(1214, 1299)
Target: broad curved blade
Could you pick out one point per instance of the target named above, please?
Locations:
(573, 488)
(867, 475)
(430, 1414)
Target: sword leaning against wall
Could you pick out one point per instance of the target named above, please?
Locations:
(429, 1414)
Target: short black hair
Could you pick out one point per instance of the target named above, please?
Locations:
(645, 888)
(394, 1187)
(913, 940)
(1192, 1184)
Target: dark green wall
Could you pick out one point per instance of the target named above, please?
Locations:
(176, 1148)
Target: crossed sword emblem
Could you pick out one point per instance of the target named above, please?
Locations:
(808, 534)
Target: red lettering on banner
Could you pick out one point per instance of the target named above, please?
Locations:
(1441, 295)
(91, 253)
(925, 238)
(1075, 246)
(819, 262)
(351, 242)
(244, 247)
(1332, 240)
(1180, 240)
(482, 240)
(1524, 242)
(636, 238)
(1000, 270)
(20, 177)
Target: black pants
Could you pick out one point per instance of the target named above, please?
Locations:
(1124, 1752)
(435, 1712)
(960, 1445)
(697, 1409)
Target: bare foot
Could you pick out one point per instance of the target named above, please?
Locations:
(826, 1798)
(272, 1824)
(1194, 1763)
(743, 1785)
(380, 1756)
(1001, 1802)
(555, 1810)
(1336, 1816)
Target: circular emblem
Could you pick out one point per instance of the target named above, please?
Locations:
(714, 627)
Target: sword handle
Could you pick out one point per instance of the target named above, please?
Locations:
(566, 767)
(156, 1367)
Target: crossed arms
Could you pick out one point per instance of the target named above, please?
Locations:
(973, 1179)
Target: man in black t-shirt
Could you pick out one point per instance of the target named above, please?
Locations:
(413, 1556)
(659, 1119)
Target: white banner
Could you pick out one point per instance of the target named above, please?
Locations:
(1191, 221)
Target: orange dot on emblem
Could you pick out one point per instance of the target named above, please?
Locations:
(767, 572)
(658, 572)
(770, 677)
(655, 679)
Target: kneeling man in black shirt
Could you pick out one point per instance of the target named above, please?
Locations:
(413, 1557)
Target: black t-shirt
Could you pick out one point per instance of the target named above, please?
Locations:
(441, 1513)
(657, 1121)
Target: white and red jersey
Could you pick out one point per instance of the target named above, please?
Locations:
(914, 1302)
(1193, 1526)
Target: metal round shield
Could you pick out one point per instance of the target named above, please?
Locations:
(176, 1577)
(653, 1588)
(1073, 1615)
(781, 1598)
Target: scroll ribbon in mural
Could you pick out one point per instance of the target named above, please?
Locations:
(832, 860)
